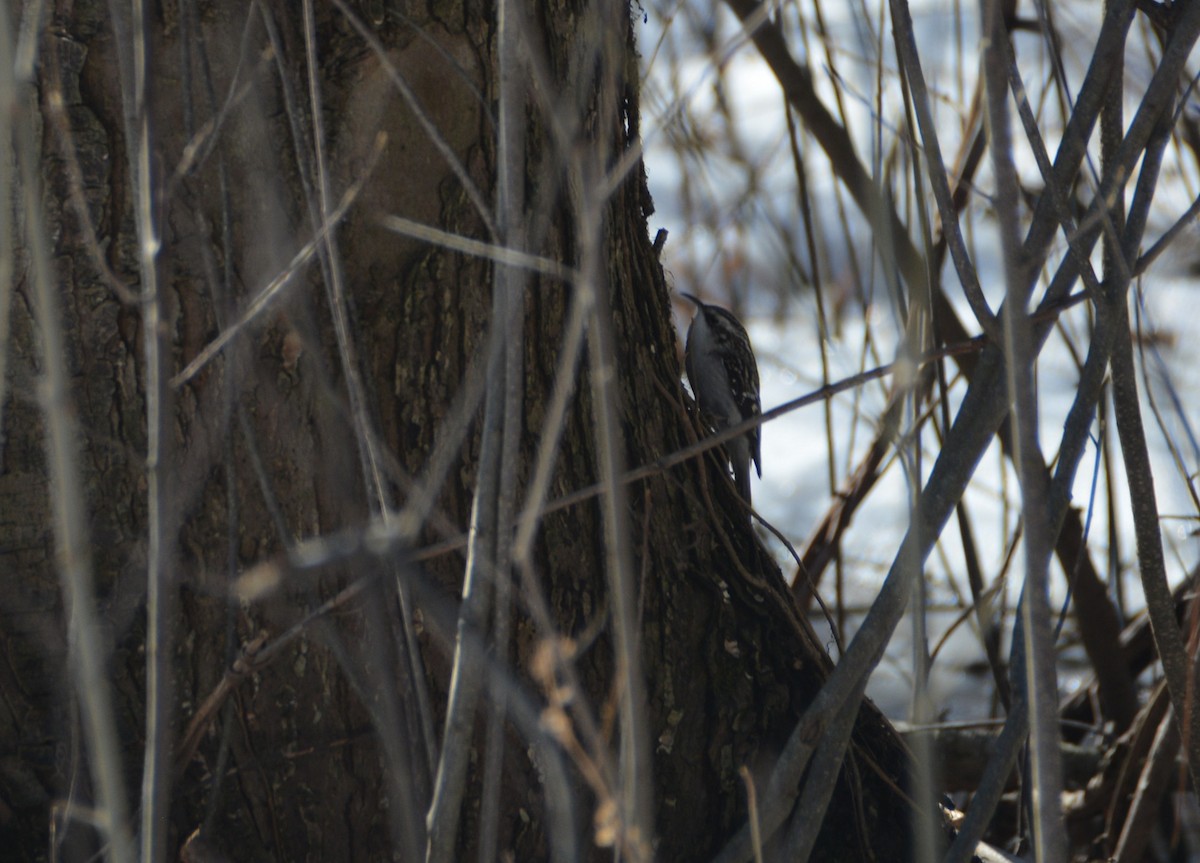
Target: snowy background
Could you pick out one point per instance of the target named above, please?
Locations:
(722, 173)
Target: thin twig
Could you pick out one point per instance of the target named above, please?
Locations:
(512, 283)
(427, 125)
(906, 48)
(283, 279)
(73, 546)
(1142, 810)
(156, 773)
(1040, 681)
(752, 808)
(410, 828)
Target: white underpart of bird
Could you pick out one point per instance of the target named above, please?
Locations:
(723, 375)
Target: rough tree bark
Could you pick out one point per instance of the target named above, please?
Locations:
(264, 451)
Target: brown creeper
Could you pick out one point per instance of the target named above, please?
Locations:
(724, 377)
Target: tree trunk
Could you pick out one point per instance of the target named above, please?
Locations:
(322, 752)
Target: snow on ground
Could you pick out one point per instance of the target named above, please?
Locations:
(726, 240)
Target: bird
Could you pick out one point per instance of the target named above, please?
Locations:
(723, 374)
